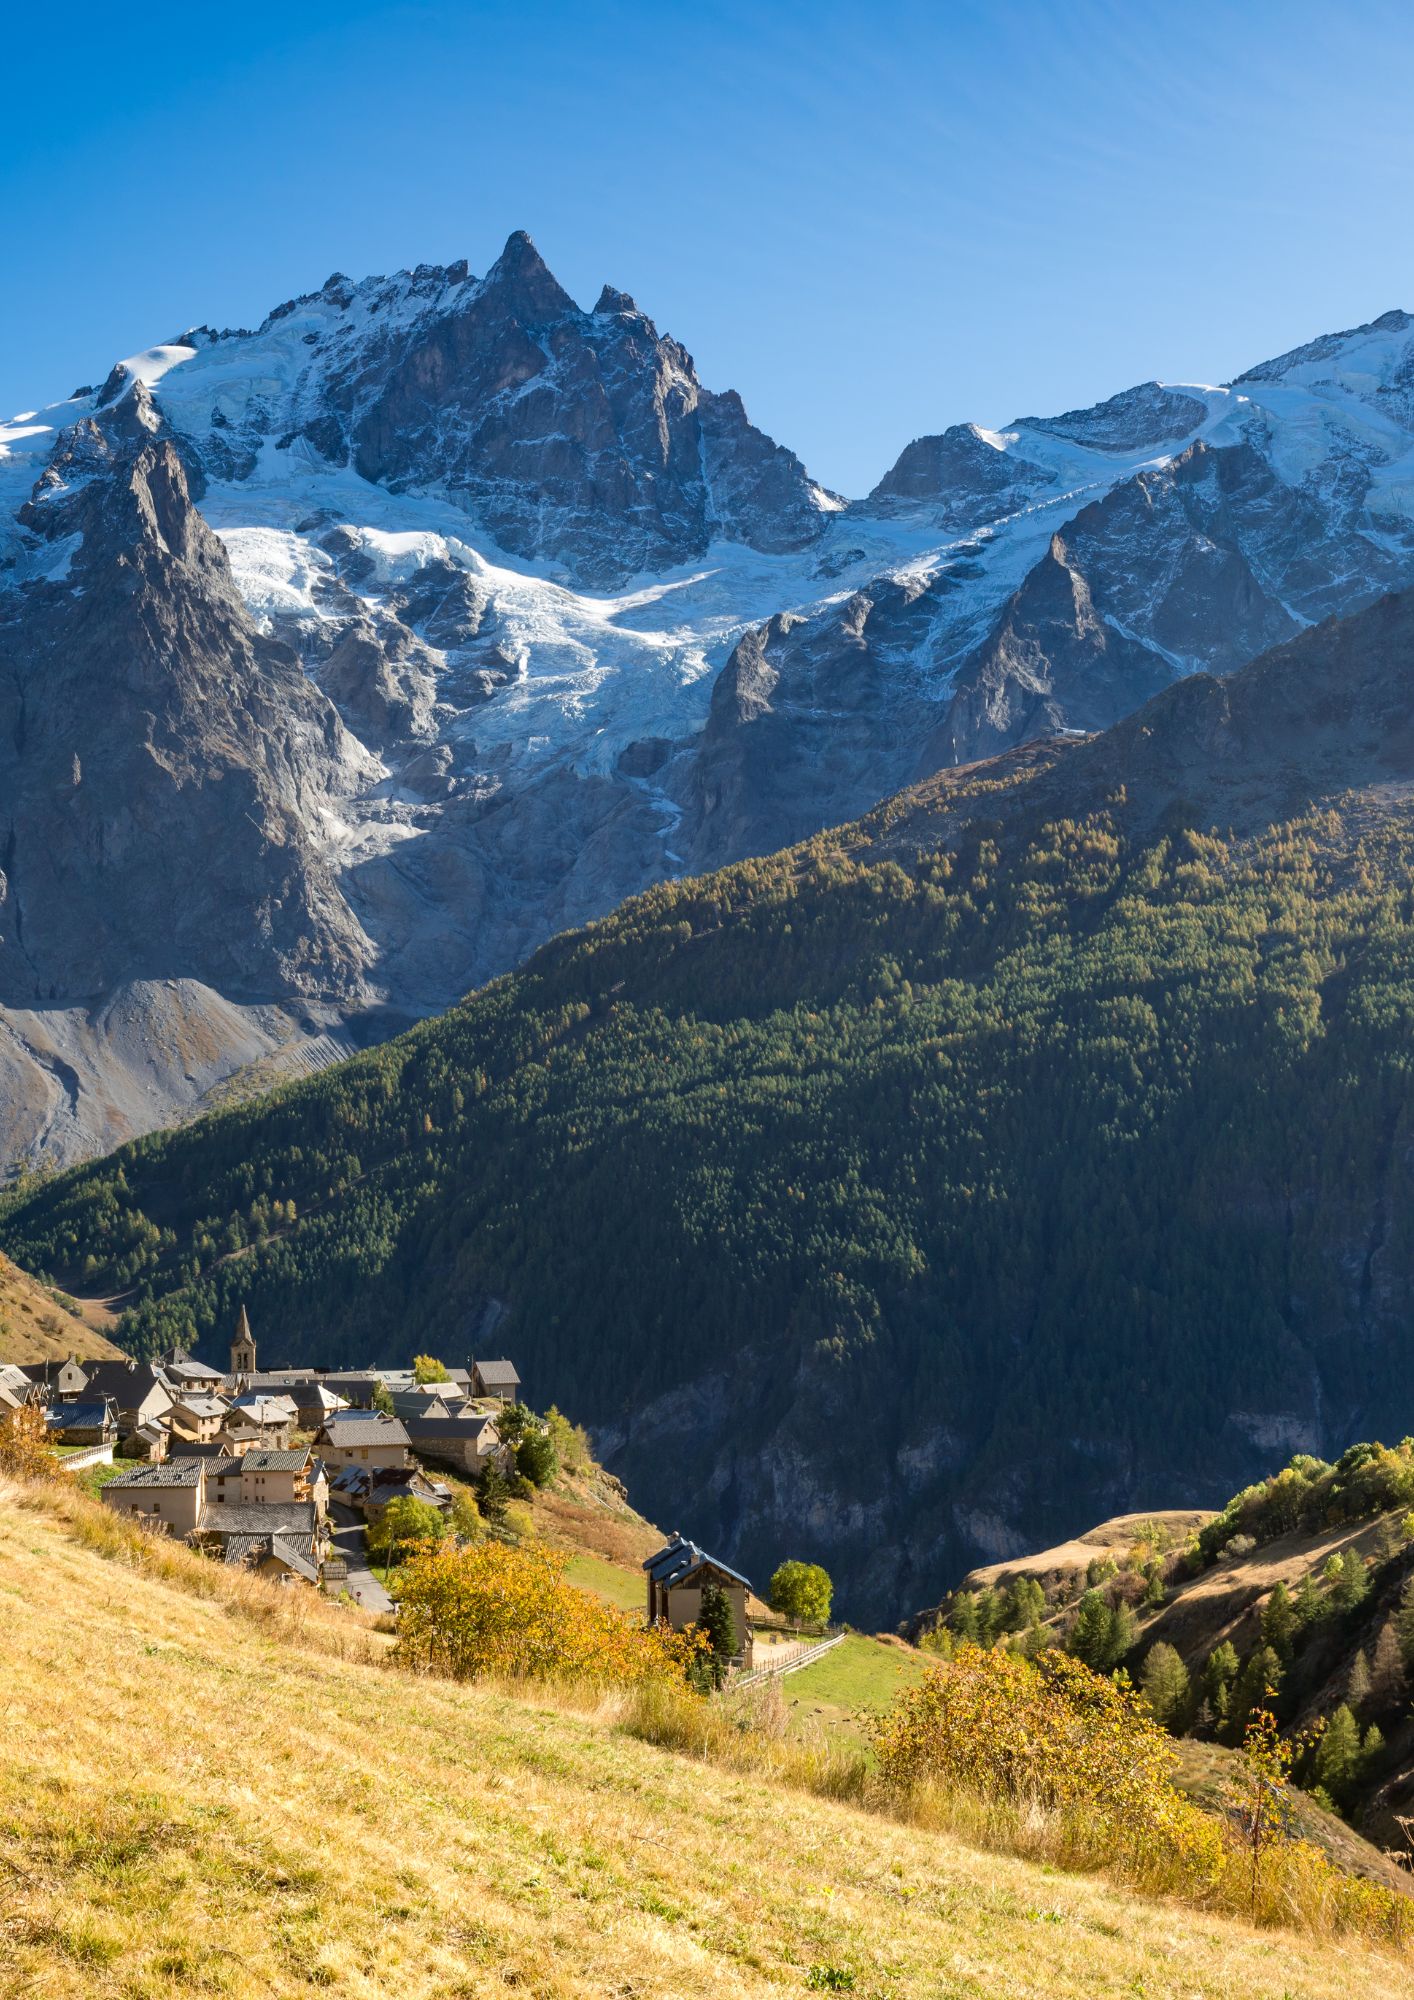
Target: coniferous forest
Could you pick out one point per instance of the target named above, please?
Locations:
(951, 1166)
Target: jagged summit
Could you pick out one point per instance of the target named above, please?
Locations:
(579, 440)
(504, 616)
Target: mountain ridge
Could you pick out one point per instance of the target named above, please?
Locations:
(461, 750)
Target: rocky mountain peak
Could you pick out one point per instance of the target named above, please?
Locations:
(523, 277)
(612, 300)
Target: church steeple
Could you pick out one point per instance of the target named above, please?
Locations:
(243, 1346)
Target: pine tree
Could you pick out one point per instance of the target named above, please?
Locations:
(715, 1620)
(1372, 1750)
(1357, 1685)
(1337, 1762)
(493, 1493)
(1165, 1682)
(991, 1615)
(1404, 1620)
(1389, 1680)
(1308, 1601)
(1257, 1686)
(1124, 1632)
(1028, 1602)
(1218, 1677)
(1279, 1621)
(1092, 1634)
(1352, 1585)
(1388, 1542)
(963, 1617)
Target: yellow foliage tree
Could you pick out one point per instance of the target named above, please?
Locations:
(491, 1609)
(24, 1445)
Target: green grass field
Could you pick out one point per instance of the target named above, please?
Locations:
(619, 1587)
(858, 1675)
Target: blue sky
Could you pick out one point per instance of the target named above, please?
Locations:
(872, 220)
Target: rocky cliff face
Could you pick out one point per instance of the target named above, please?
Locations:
(438, 613)
(164, 768)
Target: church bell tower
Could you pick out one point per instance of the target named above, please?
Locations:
(243, 1347)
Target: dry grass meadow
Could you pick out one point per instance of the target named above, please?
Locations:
(213, 1787)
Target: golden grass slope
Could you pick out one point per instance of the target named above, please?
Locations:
(35, 1326)
(1110, 1538)
(194, 1801)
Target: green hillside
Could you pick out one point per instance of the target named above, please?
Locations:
(980, 1161)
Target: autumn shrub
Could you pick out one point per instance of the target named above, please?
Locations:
(509, 1613)
(24, 1446)
(1049, 1735)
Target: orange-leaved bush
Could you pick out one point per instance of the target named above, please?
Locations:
(24, 1445)
(1051, 1734)
(489, 1609)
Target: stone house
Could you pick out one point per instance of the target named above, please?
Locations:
(286, 1558)
(283, 1477)
(60, 1379)
(497, 1381)
(461, 1437)
(148, 1441)
(168, 1497)
(273, 1415)
(315, 1403)
(370, 1492)
(218, 1522)
(138, 1391)
(90, 1421)
(185, 1377)
(197, 1418)
(236, 1437)
(362, 1438)
(676, 1575)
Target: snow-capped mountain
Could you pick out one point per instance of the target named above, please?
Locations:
(345, 660)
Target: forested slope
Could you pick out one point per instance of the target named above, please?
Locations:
(1030, 1151)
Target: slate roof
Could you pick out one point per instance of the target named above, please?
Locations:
(176, 1472)
(276, 1461)
(296, 1550)
(679, 1559)
(183, 1373)
(271, 1411)
(15, 1386)
(259, 1517)
(407, 1486)
(318, 1395)
(502, 1372)
(79, 1416)
(469, 1427)
(127, 1382)
(358, 1428)
(202, 1406)
(408, 1403)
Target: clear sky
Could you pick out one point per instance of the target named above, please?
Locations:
(872, 220)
